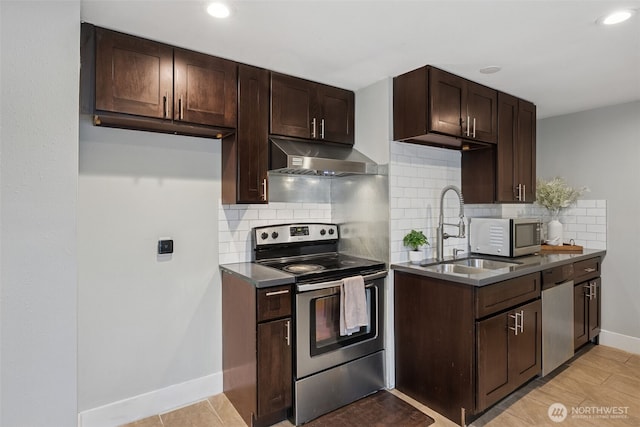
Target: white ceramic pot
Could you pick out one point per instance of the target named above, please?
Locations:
(554, 233)
(415, 257)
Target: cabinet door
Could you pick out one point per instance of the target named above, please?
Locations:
(594, 304)
(493, 367)
(274, 366)
(580, 315)
(133, 75)
(526, 149)
(446, 102)
(292, 101)
(507, 138)
(337, 114)
(525, 346)
(410, 106)
(482, 106)
(252, 134)
(205, 89)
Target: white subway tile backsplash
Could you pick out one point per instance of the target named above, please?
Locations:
(583, 219)
(593, 228)
(265, 215)
(417, 174)
(586, 203)
(236, 221)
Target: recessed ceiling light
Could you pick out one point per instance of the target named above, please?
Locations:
(616, 17)
(490, 69)
(218, 10)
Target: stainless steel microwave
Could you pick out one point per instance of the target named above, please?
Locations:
(509, 237)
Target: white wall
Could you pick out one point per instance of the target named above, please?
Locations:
(146, 322)
(39, 136)
(600, 149)
(374, 120)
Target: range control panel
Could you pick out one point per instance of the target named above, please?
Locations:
(288, 233)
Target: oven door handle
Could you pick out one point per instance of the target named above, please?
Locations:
(334, 283)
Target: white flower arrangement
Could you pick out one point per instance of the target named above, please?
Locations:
(556, 195)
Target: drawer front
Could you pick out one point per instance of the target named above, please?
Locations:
(587, 269)
(274, 303)
(503, 295)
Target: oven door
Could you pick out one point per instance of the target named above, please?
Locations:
(319, 345)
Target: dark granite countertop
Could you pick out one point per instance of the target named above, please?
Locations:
(525, 265)
(259, 275)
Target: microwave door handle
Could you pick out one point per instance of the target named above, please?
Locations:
(334, 283)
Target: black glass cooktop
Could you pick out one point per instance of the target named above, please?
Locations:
(334, 265)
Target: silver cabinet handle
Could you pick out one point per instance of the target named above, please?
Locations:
(519, 197)
(593, 290)
(521, 321)
(589, 291)
(165, 102)
(180, 109)
(322, 129)
(524, 192)
(468, 124)
(313, 128)
(270, 294)
(474, 127)
(264, 189)
(515, 324)
(287, 336)
(589, 270)
(518, 325)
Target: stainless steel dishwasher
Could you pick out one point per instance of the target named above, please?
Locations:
(557, 317)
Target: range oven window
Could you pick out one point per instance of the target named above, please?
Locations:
(325, 323)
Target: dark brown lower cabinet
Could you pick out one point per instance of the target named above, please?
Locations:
(257, 352)
(586, 311)
(509, 352)
(458, 349)
(274, 366)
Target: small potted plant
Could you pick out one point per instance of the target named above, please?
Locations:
(414, 240)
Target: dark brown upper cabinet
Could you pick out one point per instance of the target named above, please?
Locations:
(136, 83)
(516, 150)
(506, 172)
(205, 89)
(305, 109)
(434, 107)
(133, 75)
(245, 156)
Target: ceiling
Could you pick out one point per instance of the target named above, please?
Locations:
(551, 52)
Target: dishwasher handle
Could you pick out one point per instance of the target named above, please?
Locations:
(557, 276)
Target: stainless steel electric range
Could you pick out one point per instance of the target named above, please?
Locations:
(330, 370)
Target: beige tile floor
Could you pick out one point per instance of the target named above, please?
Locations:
(598, 379)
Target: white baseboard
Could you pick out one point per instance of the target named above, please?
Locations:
(619, 341)
(152, 403)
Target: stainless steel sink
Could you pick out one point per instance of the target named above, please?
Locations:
(484, 264)
(454, 268)
(469, 266)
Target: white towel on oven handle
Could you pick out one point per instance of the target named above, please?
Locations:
(353, 305)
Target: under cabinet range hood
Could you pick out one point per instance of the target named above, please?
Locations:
(289, 156)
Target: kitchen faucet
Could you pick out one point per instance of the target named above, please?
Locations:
(440, 231)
